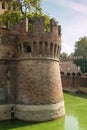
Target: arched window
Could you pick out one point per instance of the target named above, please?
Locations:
(27, 48)
(73, 74)
(55, 47)
(40, 47)
(46, 46)
(62, 73)
(19, 49)
(58, 49)
(78, 74)
(3, 5)
(85, 74)
(51, 49)
(68, 74)
(8, 74)
(34, 47)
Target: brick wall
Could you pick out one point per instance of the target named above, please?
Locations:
(78, 83)
(30, 69)
(39, 82)
(7, 81)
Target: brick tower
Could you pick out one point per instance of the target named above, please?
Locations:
(39, 90)
(31, 62)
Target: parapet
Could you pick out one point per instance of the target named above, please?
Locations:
(36, 42)
(38, 26)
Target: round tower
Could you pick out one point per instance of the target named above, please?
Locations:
(39, 90)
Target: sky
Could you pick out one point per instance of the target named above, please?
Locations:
(72, 16)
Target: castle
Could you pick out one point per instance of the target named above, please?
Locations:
(30, 83)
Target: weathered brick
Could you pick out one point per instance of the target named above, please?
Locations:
(30, 72)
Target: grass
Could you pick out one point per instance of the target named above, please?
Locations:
(76, 108)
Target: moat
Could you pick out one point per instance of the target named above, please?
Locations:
(75, 119)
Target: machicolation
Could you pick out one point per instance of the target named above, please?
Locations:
(30, 83)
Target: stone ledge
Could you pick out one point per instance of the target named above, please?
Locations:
(39, 107)
(40, 112)
(5, 111)
(31, 58)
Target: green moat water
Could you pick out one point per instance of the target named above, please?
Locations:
(75, 119)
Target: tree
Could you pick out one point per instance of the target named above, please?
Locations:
(63, 55)
(30, 6)
(10, 16)
(81, 48)
(24, 8)
(25, 5)
(81, 54)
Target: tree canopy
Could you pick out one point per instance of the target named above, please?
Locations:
(81, 47)
(24, 8)
(30, 6)
(81, 54)
(63, 55)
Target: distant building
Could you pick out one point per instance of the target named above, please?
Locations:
(68, 67)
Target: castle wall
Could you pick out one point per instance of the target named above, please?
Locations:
(7, 88)
(40, 112)
(30, 71)
(39, 83)
(74, 83)
(7, 82)
(7, 46)
(7, 66)
(5, 111)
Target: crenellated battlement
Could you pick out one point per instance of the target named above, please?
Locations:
(38, 26)
(30, 83)
(36, 43)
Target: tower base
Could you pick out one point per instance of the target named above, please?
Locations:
(40, 112)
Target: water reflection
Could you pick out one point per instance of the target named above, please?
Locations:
(71, 123)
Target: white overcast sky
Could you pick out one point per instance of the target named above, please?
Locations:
(72, 15)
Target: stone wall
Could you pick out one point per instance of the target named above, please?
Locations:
(38, 82)
(7, 81)
(74, 83)
(40, 112)
(7, 46)
(5, 111)
(30, 70)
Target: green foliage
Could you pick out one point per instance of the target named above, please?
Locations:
(46, 20)
(10, 16)
(82, 63)
(47, 23)
(63, 55)
(81, 47)
(28, 8)
(81, 54)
